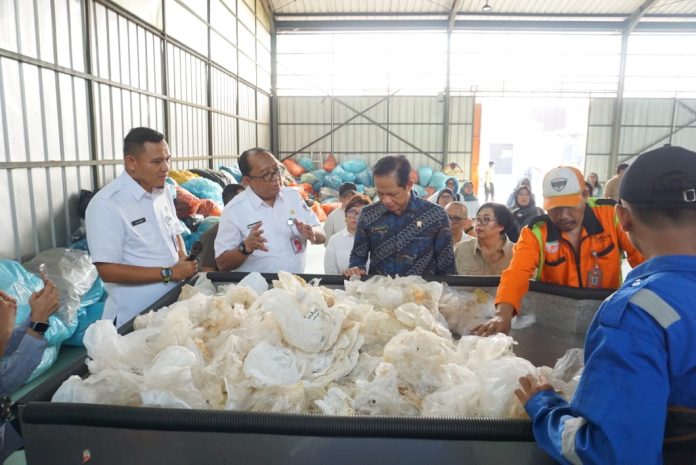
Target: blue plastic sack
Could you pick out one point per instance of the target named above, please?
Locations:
(365, 178)
(306, 163)
(346, 176)
(420, 190)
(361, 188)
(309, 178)
(50, 355)
(90, 314)
(333, 181)
(185, 229)
(438, 180)
(320, 175)
(233, 170)
(204, 189)
(354, 166)
(94, 295)
(424, 175)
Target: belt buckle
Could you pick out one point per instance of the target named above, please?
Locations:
(5, 408)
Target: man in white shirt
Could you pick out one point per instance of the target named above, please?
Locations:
(489, 181)
(336, 221)
(265, 228)
(133, 233)
(462, 226)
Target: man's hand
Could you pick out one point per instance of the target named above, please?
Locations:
(355, 271)
(44, 303)
(184, 269)
(500, 323)
(530, 385)
(255, 239)
(306, 231)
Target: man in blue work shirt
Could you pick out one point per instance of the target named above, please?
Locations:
(401, 234)
(638, 389)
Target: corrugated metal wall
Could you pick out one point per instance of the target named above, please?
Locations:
(76, 75)
(645, 124)
(370, 127)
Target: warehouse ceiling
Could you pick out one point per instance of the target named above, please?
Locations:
(308, 14)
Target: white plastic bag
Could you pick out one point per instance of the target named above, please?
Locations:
(270, 365)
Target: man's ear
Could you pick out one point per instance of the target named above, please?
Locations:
(625, 217)
(129, 161)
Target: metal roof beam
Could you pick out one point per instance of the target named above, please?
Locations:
(493, 25)
(636, 16)
(456, 6)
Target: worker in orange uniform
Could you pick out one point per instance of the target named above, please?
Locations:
(579, 243)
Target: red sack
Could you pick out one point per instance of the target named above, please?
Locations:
(316, 208)
(330, 206)
(330, 163)
(209, 208)
(414, 176)
(307, 187)
(186, 203)
(293, 167)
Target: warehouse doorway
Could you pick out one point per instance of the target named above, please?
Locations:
(528, 136)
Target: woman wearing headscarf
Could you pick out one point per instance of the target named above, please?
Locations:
(469, 198)
(597, 187)
(524, 208)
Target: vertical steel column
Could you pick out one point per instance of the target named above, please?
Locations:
(275, 115)
(209, 101)
(446, 103)
(629, 25)
(618, 107)
(671, 123)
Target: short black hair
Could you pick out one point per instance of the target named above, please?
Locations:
(621, 168)
(503, 215)
(590, 187)
(134, 142)
(243, 161)
(230, 191)
(397, 164)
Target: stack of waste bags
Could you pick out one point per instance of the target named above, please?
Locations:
(322, 182)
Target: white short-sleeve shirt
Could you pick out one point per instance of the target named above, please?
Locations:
(130, 226)
(246, 210)
(338, 252)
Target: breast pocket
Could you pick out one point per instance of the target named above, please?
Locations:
(555, 261)
(140, 235)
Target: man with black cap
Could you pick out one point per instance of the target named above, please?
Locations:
(636, 400)
(336, 221)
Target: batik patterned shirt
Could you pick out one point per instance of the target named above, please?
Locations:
(416, 242)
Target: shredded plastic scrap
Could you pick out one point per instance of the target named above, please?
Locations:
(379, 347)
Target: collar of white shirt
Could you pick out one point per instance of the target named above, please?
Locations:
(136, 190)
(257, 201)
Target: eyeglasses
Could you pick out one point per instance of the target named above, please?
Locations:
(268, 177)
(483, 220)
(353, 213)
(455, 219)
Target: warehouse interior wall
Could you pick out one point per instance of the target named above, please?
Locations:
(645, 124)
(76, 75)
(368, 127)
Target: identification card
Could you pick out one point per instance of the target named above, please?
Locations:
(297, 245)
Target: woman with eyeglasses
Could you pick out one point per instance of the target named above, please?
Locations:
(341, 244)
(490, 253)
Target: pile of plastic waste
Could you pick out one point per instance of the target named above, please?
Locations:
(379, 347)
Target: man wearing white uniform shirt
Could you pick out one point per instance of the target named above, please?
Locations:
(265, 228)
(133, 232)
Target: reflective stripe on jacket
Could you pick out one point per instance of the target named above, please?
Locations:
(543, 253)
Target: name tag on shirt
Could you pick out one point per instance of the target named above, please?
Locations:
(380, 229)
(296, 243)
(138, 221)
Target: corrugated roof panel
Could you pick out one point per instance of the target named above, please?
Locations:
(526, 7)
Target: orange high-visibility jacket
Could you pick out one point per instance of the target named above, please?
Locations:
(543, 253)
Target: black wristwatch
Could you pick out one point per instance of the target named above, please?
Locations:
(242, 248)
(39, 326)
